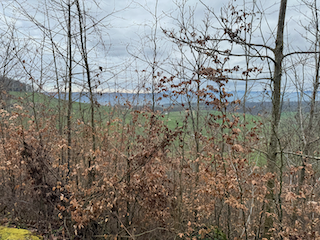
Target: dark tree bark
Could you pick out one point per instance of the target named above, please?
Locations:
(276, 113)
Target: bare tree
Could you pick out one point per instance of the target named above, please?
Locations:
(234, 26)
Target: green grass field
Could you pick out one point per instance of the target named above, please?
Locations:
(45, 104)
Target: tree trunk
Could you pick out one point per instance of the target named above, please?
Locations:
(84, 54)
(69, 88)
(276, 112)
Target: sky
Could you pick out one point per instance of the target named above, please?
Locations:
(122, 45)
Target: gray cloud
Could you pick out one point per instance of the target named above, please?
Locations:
(128, 25)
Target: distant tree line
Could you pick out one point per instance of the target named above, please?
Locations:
(11, 85)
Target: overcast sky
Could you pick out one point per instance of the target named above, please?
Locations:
(127, 27)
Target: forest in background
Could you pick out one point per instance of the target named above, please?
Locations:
(201, 167)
